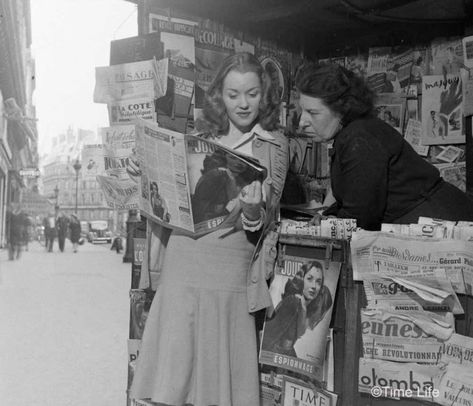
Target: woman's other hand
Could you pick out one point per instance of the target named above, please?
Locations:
(251, 200)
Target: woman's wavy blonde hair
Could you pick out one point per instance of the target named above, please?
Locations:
(215, 120)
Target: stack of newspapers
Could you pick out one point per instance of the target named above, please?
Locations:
(411, 276)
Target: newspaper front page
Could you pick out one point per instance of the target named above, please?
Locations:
(455, 385)
(382, 253)
(189, 182)
(386, 336)
(429, 291)
(458, 349)
(396, 380)
(296, 334)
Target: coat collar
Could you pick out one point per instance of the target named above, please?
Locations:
(256, 132)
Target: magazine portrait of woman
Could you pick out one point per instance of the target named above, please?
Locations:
(158, 204)
(305, 302)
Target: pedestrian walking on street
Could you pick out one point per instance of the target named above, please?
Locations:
(46, 232)
(74, 226)
(61, 227)
(14, 231)
(117, 244)
(51, 236)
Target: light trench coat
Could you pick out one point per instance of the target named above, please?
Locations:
(271, 149)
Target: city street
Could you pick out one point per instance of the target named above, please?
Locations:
(64, 327)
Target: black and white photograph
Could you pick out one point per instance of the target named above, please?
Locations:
(232, 203)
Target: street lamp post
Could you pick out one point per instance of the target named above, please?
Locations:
(56, 194)
(77, 166)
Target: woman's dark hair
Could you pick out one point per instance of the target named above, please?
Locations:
(214, 116)
(317, 307)
(154, 185)
(340, 89)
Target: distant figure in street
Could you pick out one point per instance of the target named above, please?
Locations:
(51, 230)
(61, 227)
(25, 224)
(46, 232)
(74, 225)
(14, 229)
(117, 244)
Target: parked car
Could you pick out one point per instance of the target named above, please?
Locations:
(99, 232)
(84, 229)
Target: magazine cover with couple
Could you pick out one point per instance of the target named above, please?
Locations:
(190, 182)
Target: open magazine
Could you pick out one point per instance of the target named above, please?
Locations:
(188, 182)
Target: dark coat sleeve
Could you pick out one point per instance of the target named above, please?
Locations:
(360, 180)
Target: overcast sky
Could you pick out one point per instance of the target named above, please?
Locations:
(69, 39)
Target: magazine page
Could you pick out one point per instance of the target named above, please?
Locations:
(413, 136)
(92, 161)
(442, 110)
(164, 192)
(134, 49)
(133, 351)
(399, 67)
(212, 46)
(119, 193)
(358, 64)
(190, 182)
(400, 255)
(140, 303)
(378, 58)
(124, 112)
(216, 176)
(175, 109)
(118, 179)
(277, 63)
(297, 392)
(295, 335)
(454, 173)
(126, 81)
(446, 56)
(118, 145)
(283, 390)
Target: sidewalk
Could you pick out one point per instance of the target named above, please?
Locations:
(64, 324)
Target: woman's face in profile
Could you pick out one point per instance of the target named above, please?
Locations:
(313, 280)
(317, 119)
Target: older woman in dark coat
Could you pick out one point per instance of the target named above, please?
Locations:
(377, 177)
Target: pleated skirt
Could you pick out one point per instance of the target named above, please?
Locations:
(199, 343)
